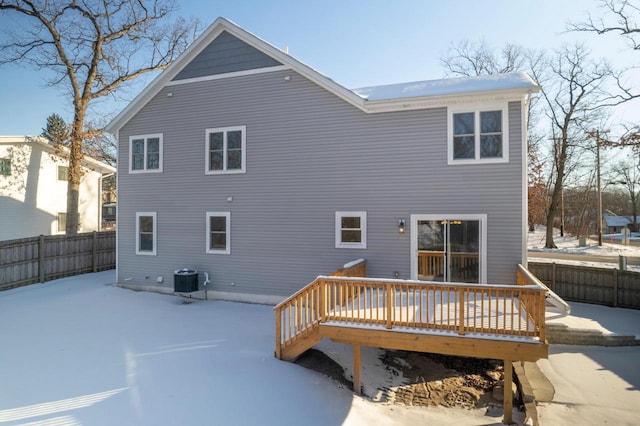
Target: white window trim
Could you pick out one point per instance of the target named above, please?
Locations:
(146, 138)
(482, 218)
(207, 246)
(155, 233)
(477, 109)
(224, 130)
(363, 228)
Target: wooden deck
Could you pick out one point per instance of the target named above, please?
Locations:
(486, 321)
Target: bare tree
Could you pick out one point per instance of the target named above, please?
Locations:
(573, 89)
(468, 58)
(93, 48)
(619, 17)
(628, 175)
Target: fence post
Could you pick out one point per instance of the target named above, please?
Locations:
(41, 259)
(553, 276)
(622, 262)
(94, 255)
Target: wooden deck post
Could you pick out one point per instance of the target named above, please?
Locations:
(507, 395)
(389, 305)
(278, 334)
(357, 366)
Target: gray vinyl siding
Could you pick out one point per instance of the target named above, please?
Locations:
(309, 154)
(223, 55)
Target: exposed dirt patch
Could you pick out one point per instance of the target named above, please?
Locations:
(448, 381)
(433, 379)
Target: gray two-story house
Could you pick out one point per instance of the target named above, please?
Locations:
(242, 162)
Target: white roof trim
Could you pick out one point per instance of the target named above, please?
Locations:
(228, 75)
(88, 162)
(289, 62)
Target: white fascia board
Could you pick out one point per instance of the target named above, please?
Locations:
(406, 104)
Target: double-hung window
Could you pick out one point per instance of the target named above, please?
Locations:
(478, 135)
(351, 230)
(225, 150)
(218, 233)
(62, 222)
(63, 173)
(145, 153)
(5, 166)
(146, 233)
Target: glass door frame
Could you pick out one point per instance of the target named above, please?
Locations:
(482, 218)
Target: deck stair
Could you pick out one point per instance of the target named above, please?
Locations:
(479, 320)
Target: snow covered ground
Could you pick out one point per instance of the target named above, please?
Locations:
(570, 244)
(81, 351)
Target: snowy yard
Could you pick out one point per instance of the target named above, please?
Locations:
(570, 245)
(81, 351)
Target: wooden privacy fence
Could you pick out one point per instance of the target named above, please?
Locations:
(611, 287)
(44, 258)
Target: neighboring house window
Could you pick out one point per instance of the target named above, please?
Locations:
(63, 173)
(351, 229)
(146, 153)
(218, 232)
(478, 136)
(225, 150)
(5, 166)
(146, 233)
(62, 222)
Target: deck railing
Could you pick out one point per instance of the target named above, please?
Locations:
(417, 305)
(431, 264)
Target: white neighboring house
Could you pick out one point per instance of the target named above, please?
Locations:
(33, 189)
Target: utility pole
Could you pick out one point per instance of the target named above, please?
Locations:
(599, 188)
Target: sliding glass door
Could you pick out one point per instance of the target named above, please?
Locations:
(448, 248)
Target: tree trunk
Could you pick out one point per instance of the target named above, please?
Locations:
(551, 215)
(75, 171)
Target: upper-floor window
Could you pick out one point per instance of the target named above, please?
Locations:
(478, 135)
(5, 166)
(351, 230)
(218, 232)
(225, 150)
(63, 173)
(146, 233)
(145, 153)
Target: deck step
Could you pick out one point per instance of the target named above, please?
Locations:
(562, 334)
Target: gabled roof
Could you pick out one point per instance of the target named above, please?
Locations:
(416, 95)
(620, 221)
(449, 86)
(88, 162)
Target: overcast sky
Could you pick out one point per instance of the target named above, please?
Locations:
(357, 43)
